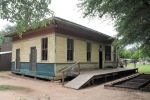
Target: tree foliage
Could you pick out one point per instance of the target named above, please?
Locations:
(132, 19)
(1, 38)
(26, 14)
(124, 53)
(8, 29)
(133, 53)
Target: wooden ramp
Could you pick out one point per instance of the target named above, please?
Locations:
(87, 76)
(79, 81)
(136, 81)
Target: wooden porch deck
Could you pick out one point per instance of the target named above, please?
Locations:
(106, 71)
(88, 77)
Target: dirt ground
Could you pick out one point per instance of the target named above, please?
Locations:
(47, 90)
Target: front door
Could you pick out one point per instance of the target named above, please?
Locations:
(17, 59)
(100, 58)
(33, 59)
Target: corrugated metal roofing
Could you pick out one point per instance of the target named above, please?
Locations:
(70, 28)
(6, 52)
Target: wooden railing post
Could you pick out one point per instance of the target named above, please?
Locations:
(78, 68)
(63, 78)
(64, 71)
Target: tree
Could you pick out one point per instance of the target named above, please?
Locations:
(125, 53)
(132, 53)
(1, 39)
(26, 14)
(135, 53)
(132, 19)
(8, 29)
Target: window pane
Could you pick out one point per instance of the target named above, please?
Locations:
(108, 53)
(88, 51)
(44, 48)
(70, 47)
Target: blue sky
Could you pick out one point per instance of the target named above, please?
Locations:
(68, 10)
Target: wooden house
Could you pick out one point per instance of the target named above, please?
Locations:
(44, 52)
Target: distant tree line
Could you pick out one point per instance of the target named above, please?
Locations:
(133, 53)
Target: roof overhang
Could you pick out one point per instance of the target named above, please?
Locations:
(6, 52)
(69, 28)
(74, 29)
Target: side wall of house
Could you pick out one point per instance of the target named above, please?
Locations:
(57, 55)
(80, 54)
(42, 67)
(79, 50)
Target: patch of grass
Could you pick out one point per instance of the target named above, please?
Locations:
(10, 87)
(4, 77)
(141, 68)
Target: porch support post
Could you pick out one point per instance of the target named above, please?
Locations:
(78, 68)
(63, 79)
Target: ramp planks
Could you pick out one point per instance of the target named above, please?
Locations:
(85, 77)
(79, 81)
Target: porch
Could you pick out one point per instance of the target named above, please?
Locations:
(91, 77)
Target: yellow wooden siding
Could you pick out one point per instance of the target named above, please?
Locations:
(57, 49)
(95, 52)
(13, 53)
(80, 51)
(26, 44)
(51, 48)
(80, 54)
(61, 49)
(112, 53)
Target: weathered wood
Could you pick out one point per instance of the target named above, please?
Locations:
(63, 78)
(121, 80)
(87, 76)
(68, 69)
(78, 68)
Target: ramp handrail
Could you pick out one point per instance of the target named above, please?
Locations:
(77, 64)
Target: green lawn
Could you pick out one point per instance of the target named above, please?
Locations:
(141, 68)
(10, 87)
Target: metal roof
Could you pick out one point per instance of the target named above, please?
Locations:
(69, 28)
(82, 31)
(6, 52)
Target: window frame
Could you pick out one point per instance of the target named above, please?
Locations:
(70, 49)
(88, 51)
(44, 49)
(108, 50)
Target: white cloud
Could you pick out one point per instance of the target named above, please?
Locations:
(3, 23)
(68, 9)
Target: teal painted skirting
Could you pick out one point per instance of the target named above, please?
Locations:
(12, 66)
(24, 68)
(43, 70)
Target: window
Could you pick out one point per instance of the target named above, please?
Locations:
(114, 54)
(44, 48)
(70, 47)
(107, 53)
(88, 51)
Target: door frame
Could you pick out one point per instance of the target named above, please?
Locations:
(31, 67)
(17, 59)
(100, 58)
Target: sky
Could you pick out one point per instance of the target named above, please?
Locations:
(67, 9)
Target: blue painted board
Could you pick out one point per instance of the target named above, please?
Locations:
(42, 69)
